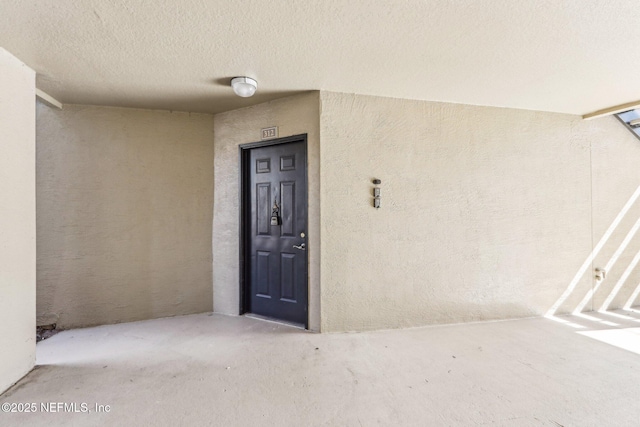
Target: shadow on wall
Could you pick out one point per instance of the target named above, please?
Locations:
(612, 273)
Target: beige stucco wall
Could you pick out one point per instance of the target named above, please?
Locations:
(616, 181)
(294, 115)
(17, 220)
(486, 212)
(124, 214)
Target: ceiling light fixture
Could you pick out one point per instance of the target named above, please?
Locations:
(244, 86)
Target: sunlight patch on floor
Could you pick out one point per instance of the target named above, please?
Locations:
(564, 322)
(627, 339)
(595, 319)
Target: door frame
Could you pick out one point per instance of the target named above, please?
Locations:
(245, 214)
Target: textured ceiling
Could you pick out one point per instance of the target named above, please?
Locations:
(571, 56)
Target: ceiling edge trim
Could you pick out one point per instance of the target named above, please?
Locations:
(612, 110)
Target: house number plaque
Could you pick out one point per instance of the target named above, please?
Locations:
(268, 133)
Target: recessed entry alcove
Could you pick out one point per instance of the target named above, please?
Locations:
(336, 211)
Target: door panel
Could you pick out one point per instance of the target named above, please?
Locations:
(262, 270)
(277, 264)
(287, 208)
(263, 191)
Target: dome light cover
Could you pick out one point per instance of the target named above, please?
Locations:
(244, 86)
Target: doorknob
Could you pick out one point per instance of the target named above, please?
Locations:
(301, 247)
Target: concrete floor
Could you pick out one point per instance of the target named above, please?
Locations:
(236, 371)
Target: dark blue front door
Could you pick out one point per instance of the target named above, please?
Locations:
(278, 217)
